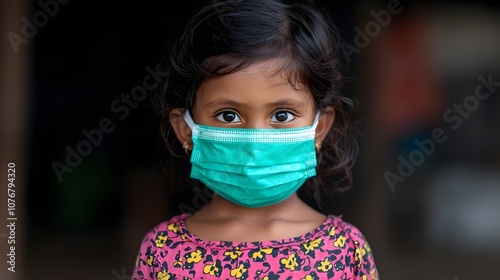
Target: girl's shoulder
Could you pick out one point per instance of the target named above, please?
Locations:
(171, 223)
(337, 234)
(168, 230)
(341, 228)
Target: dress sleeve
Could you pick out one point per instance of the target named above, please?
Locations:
(365, 268)
(143, 268)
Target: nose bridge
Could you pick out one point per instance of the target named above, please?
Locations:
(257, 123)
(257, 119)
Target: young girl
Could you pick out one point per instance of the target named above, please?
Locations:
(252, 97)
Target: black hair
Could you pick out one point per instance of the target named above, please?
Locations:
(229, 35)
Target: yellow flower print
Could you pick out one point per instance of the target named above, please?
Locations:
(213, 269)
(290, 262)
(340, 242)
(174, 228)
(150, 260)
(195, 257)
(359, 253)
(210, 269)
(332, 231)
(161, 239)
(234, 254)
(261, 254)
(163, 275)
(238, 272)
(150, 256)
(324, 265)
(311, 245)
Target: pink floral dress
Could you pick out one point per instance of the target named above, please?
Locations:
(335, 250)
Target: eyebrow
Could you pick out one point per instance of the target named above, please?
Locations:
(224, 102)
(288, 102)
(232, 103)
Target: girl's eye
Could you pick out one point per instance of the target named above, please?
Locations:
(283, 116)
(228, 117)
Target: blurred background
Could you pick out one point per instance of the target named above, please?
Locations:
(76, 121)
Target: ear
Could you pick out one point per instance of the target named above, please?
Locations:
(180, 127)
(326, 120)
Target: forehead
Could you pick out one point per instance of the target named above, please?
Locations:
(259, 83)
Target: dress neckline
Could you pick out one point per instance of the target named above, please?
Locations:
(330, 222)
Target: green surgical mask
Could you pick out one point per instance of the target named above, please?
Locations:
(252, 167)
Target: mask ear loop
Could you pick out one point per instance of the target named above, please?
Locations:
(316, 120)
(189, 119)
(315, 124)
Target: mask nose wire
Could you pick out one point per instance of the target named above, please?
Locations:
(189, 119)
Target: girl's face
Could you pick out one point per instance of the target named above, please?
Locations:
(255, 97)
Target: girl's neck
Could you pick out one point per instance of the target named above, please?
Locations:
(291, 208)
(226, 221)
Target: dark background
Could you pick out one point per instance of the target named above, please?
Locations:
(90, 224)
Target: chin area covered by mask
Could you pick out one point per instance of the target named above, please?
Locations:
(253, 167)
